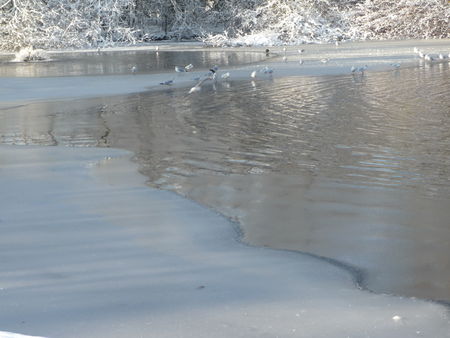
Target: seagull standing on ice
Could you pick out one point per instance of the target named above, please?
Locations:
(180, 69)
(225, 75)
(134, 69)
(267, 70)
(253, 74)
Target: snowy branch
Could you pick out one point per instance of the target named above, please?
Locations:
(90, 23)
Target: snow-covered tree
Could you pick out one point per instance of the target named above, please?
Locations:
(90, 23)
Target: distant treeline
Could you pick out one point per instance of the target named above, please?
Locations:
(90, 23)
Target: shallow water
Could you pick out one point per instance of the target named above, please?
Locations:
(350, 167)
(119, 62)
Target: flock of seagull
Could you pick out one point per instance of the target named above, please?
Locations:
(212, 74)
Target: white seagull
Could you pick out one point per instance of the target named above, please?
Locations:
(195, 89)
(180, 69)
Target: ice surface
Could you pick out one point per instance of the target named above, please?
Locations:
(89, 251)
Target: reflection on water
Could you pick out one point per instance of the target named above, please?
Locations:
(120, 62)
(350, 167)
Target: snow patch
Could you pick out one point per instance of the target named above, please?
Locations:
(4, 334)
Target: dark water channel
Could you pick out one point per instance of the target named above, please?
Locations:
(356, 168)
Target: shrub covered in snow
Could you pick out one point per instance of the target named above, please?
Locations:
(29, 54)
(89, 23)
(397, 19)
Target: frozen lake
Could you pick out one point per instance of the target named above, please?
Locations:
(352, 167)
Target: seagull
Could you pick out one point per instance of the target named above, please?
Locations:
(198, 86)
(442, 56)
(300, 62)
(284, 58)
(324, 60)
(428, 57)
(134, 69)
(416, 50)
(362, 69)
(337, 43)
(195, 89)
(421, 54)
(267, 70)
(167, 83)
(353, 69)
(253, 74)
(188, 67)
(225, 75)
(212, 72)
(180, 69)
(157, 48)
(301, 51)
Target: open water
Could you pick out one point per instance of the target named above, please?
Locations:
(352, 167)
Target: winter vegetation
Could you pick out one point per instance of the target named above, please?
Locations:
(91, 23)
